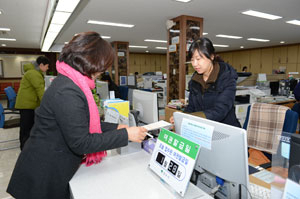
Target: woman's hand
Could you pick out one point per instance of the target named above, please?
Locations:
(122, 126)
(136, 134)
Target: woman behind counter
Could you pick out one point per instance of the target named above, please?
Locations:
(213, 85)
(67, 129)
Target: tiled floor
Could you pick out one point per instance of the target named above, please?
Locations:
(7, 159)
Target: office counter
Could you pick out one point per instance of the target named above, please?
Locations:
(124, 176)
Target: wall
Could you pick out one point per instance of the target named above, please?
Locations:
(145, 62)
(265, 60)
(12, 64)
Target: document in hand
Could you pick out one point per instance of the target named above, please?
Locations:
(158, 125)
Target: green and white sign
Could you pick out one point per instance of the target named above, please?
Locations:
(173, 160)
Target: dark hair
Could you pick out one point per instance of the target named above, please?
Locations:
(42, 60)
(87, 53)
(205, 46)
(245, 67)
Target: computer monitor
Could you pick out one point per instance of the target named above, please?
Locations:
(130, 93)
(123, 80)
(131, 81)
(227, 158)
(274, 86)
(102, 89)
(146, 104)
(48, 80)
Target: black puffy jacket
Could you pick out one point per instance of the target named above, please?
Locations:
(217, 102)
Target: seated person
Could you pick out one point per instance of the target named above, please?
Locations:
(111, 84)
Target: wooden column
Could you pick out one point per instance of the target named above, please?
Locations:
(120, 66)
(180, 36)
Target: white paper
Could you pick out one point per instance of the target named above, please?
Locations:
(197, 132)
(276, 193)
(291, 190)
(111, 94)
(265, 176)
(157, 125)
(111, 116)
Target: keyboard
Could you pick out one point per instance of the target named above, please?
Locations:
(259, 192)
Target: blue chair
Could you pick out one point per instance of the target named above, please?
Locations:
(296, 108)
(5, 124)
(124, 92)
(11, 97)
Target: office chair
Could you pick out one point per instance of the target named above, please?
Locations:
(11, 98)
(296, 108)
(124, 92)
(5, 124)
(289, 126)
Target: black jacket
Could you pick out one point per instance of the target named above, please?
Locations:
(217, 102)
(59, 139)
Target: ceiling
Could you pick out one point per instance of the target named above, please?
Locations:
(28, 18)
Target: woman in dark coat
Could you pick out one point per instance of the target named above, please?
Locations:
(213, 85)
(67, 129)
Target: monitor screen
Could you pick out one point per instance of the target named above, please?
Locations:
(146, 104)
(123, 80)
(227, 158)
(131, 81)
(102, 89)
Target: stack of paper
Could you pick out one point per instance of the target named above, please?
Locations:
(116, 111)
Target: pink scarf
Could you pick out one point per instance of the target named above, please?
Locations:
(85, 84)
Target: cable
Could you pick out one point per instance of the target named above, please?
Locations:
(247, 190)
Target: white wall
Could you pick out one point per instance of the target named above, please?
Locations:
(11, 63)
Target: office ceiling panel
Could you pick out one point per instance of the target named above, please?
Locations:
(27, 18)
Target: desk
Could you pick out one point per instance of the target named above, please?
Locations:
(124, 176)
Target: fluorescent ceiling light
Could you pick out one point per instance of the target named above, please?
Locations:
(175, 31)
(7, 39)
(60, 17)
(256, 39)
(195, 28)
(0, 12)
(282, 42)
(105, 37)
(183, 1)
(229, 36)
(130, 46)
(294, 22)
(4, 29)
(164, 48)
(55, 27)
(261, 15)
(220, 45)
(110, 24)
(50, 37)
(147, 51)
(3, 44)
(241, 46)
(154, 40)
(67, 5)
(205, 33)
